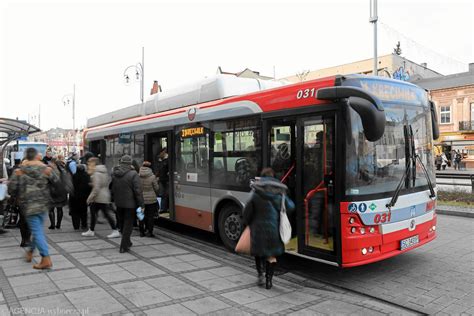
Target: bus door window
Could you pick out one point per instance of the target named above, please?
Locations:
(282, 153)
(317, 182)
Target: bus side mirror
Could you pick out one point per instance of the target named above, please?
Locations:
(368, 106)
(434, 121)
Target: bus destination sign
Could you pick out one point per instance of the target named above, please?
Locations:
(193, 132)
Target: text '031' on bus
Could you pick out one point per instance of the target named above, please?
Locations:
(354, 151)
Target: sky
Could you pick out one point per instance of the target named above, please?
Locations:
(46, 48)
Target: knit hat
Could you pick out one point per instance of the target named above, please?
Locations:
(126, 159)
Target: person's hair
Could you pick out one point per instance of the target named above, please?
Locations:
(31, 153)
(94, 160)
(146, 164)
(267, 172)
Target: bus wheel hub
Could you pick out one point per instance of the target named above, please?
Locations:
(232, 227)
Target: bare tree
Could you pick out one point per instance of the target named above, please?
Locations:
(302, 75)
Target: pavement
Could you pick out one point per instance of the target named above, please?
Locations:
(166, 275)
(455, 210)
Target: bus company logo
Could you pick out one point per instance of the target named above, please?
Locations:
(362, 207)
(412, 224)
(413, 211)
(192, 114)
(372, 206)
(352, 208)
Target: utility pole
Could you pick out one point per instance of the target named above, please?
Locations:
(39, 116)
(373, 19)
(74, 108)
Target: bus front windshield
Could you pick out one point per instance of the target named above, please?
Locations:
(378, 167)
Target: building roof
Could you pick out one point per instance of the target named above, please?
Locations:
(450, 81)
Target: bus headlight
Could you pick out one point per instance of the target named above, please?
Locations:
(371, 249)
(351, 220)
(434, 227)
(353, 230)
(364, 251)
(372, 230)
(362, 230)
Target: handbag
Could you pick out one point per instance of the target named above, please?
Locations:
(285, 226)
(243, 246)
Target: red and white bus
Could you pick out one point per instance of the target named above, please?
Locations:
(355, 152)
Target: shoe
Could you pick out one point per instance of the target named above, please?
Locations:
(58, 226)
(88, 233)
(24, 243)
(270, 269)
(51, 227)
(44, 264)
(260, 265)
(114, 234)
(123, 250)
(29, 256)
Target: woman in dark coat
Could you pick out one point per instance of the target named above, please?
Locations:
(262, 214)
(78, 201)
(59, 197)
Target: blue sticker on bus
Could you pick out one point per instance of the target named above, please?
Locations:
(362, 207)
(352, 208)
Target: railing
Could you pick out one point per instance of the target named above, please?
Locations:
(466, 125)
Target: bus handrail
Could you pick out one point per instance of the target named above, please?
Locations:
(287, 174)
(319, 188)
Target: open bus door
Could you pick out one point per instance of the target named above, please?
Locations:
(301, 151)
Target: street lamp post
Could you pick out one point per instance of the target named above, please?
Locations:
(139, 75)
(373, 19)
(70, 98)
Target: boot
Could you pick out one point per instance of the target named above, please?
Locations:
(29, 256)
(259, 264)
(51, 219)
(59, 218)
(44, 264)
(270, 268)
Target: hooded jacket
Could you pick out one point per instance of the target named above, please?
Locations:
(149, 185)
(262, 214)
(100, 186)
(31, 185)
(127, 187)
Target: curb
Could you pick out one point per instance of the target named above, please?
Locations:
(455, 213)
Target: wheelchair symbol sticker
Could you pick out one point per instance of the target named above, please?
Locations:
(362, 207)
(352, 208)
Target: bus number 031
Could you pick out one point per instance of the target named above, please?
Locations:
(306, 93)
(382, 218)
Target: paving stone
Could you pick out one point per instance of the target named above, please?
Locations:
(305, 312)
(205, 305)
(34, 289)
(199, 276)
(218, 284)
(367, 312)
(141, 269)
(74, 283)
(242, 279)
(73, 246)
(49, 305)
(29, 279)
(233, 311)
(275, 291)
(168, 261)
(116, 276)
(244, 296)
(97, 244)
(206, 263)
(94, 301)
(60, 262)
(175, 309)
(225, 271)
(181, 267)
(173, 287)
(170, 249)
(65, 274)
(4, 310)
(190, 258)
(2, 299)
(297, 298)
(335, 307)
(270, 306)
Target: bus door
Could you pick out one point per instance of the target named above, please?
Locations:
(157, 151)
(315, 187)
(192, 188)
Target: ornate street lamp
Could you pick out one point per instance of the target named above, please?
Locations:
(136, 71)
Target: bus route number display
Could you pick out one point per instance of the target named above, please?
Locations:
(192, 132)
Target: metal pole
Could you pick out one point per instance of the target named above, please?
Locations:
(142, 95)
(373, 19)
(74, 107)
(39, 116)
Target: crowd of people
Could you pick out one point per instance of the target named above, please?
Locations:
(453, 159)
(40, 185)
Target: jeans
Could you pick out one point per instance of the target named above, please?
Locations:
(35, 223)
(95, 208)
(126, 217)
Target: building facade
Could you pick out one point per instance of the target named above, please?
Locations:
(453, 96)
(59, 140)
(391, 66)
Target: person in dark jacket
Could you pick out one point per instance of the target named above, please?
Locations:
(163, 177)
(150, 191)
(128, 196)
(262, 214)
(78, 200)
(59, 197)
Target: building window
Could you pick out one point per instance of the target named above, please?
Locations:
(472, 112)
(445, 114)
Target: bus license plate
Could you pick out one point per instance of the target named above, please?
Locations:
(409, 242)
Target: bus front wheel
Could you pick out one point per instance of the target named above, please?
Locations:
(230, 225)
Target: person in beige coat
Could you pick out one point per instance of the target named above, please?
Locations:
(150, 192)
(99, 198)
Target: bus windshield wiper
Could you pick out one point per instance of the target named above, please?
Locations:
(416, 157)
(394, 199)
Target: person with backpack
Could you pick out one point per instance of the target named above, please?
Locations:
(32, 184)
(457, 160)
(262, 215)
(59, 197)
(150, 191)
(71, 163)
(128, 196)
(99, 198)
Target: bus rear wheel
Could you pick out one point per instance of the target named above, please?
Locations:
(230, 225)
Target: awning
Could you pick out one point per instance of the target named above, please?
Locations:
(13, 129)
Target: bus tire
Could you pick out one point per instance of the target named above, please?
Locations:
(230, 225)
